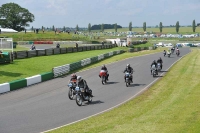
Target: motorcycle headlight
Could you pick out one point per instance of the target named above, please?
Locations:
(69, 85)
(77, 88)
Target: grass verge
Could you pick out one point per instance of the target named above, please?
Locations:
(170, 105)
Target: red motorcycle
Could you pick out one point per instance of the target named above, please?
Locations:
(103, 76)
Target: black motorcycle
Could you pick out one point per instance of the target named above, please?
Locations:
(127, 78)
(164, 53)
(81, 96)
(154, 72)
(71, 92)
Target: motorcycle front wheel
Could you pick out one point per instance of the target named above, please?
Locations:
(79, 100)
(70, 94)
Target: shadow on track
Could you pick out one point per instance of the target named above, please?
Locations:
(133, 85)
(94, 102)
(111, 83)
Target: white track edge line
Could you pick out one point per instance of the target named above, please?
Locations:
(119, 103)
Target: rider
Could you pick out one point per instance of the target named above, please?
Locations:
(164, 51)
(160, 61)
(105, 69)
(128, 69)
(58, 45)
(73, 78)
(83, 84)
(33, 47)
(177, 50)
(154, 63)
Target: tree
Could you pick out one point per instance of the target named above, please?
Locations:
(32, 28)
(89, 27)
(193, 26)
(144, 26)
(42, 27)
(102, 27)
(77, 28)
(130, 26)
(115, 27)
(64, 29)
(160, 27)
(14, 16)
(177, 26)
(53, 28)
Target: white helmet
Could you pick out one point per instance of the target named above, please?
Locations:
(79, 78)
(128, 65)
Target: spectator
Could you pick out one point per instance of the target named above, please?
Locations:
(43, 30)
(25, 31)
(76, 45)
(37, 30)
(34, 30)
(102, 43)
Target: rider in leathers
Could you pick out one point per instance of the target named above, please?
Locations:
(129, 69)
(83, 84)
(160, 61)
(154, 63)
(105, 69)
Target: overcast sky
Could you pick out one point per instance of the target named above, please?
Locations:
(69, 13)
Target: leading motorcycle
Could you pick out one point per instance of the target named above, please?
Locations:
(81, 96)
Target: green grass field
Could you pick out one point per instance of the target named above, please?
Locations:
(51, 36)
(171, 105)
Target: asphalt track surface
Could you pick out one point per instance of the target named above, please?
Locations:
(45, 106)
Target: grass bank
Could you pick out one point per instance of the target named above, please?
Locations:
(22, 68)
(170, 105)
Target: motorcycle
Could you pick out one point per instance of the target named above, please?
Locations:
(168, 54)
(164, 53)
(72, 92)
(154, 73)
(177, 53)
(81, 96)
(159, 67)
(103, 76)
(127, 78)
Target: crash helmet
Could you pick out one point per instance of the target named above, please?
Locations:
(79, 78)
(128, 65)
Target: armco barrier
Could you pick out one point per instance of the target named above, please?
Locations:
(31, 53)
(56, 51)
(48, 51)
(40, 52)
(63, 50)
(20, 54)
(17, 84)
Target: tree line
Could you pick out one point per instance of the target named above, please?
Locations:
(16, 17)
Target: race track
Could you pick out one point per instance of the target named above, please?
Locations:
(44, 106)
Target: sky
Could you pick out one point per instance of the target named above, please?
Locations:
(70, 13)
